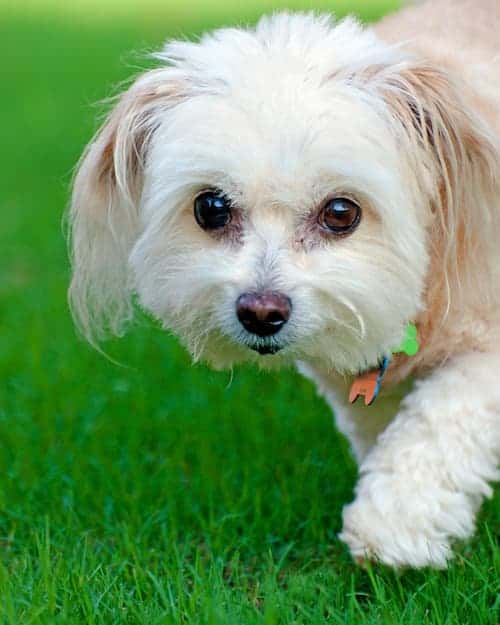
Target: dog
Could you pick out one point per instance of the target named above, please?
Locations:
(317, 192)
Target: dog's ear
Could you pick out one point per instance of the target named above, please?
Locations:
(104, 219)
(453, 147)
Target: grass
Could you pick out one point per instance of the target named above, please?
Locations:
(158, 492)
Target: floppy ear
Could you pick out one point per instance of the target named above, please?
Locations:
(448, 138)
(104, 217)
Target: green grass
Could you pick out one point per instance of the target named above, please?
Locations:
(158, 492)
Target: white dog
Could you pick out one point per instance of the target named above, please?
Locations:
(302, 191)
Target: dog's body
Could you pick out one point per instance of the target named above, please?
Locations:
(462, 38)
(343, 186)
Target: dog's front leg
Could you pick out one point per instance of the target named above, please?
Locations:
(422, 483)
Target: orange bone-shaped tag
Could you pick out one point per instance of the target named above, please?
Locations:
(368, 385)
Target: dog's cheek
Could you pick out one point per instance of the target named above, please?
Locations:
(169, 271)
(183, 278)
(361, 299)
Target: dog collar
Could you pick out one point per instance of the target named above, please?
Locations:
(368, 384)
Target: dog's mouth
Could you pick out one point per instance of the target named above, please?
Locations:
(265, 348)
(263, 345)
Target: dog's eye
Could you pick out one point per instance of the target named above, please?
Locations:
(340, 215)
(212, 210)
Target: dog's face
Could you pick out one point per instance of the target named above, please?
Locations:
(280, 219)
(264, 198)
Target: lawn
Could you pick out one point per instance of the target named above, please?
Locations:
(157, 492)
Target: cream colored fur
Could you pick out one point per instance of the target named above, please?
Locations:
(405, 118)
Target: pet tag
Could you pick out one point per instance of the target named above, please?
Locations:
(368, 384)
(410, 345)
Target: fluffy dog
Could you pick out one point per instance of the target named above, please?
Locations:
(300, 192)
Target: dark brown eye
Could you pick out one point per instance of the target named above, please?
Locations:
(212, 210)
(340, 215)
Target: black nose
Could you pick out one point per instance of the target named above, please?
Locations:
(263, 313)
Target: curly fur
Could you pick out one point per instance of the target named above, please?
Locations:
(404, 117)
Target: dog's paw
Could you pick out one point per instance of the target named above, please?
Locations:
(403, 527)
(372, 536)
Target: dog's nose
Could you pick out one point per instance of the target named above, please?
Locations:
(263, 313)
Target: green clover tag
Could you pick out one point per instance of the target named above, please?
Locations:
(410, 345)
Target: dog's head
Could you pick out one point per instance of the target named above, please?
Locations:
(281, 191)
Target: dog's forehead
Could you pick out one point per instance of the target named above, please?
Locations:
(287, 78)
(274, 106)
(284, 136)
